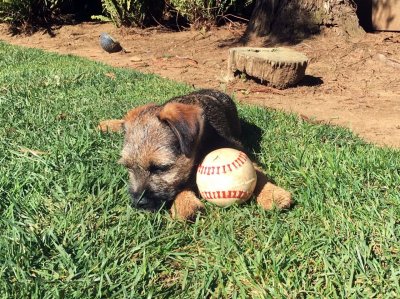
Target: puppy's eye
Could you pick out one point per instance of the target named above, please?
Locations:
(158, 168)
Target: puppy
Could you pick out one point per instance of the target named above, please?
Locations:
(164, 144)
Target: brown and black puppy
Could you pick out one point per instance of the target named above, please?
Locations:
(165, 143)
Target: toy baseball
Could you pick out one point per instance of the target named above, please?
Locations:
(226, 176)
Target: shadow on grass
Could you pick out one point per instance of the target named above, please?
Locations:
(251, 140)
(251, 137)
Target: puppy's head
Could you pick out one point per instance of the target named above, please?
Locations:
(159, 151)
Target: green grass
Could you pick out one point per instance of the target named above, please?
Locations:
(67, 230)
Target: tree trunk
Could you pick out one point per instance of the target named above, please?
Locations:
(296, 19)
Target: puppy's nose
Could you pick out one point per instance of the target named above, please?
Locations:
(139, 201)
(143, 203)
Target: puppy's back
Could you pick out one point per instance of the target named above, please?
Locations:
(219, 110)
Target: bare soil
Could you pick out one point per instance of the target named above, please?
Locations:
(353, 83)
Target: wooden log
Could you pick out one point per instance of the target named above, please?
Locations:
(277, 67)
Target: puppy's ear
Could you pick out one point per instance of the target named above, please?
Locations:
(133, 113)
(186, 121)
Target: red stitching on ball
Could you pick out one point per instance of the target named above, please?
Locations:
(224, 194)
(210, 170)
(223, 169)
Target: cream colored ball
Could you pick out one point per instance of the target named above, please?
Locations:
(226, 176)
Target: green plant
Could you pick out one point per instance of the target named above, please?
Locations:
(198, 12)
(131, 12)
(25, 15)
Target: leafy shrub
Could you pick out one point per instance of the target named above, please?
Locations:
(24, 15)
(198, 12)
(132, 12)
(28, 15)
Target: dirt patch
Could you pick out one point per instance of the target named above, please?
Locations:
(352, 83)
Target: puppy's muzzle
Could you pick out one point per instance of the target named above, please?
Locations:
(144, 201)
(140, 201)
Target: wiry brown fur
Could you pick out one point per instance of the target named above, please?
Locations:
(164, 144)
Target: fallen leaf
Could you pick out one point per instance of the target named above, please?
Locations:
(388, 61)
(111, 75)
(61, 116)
(188, 58)
(310, 120)
(135, 59)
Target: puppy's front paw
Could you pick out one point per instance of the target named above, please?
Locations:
(272, 196)
(111, 125)
(186, 206)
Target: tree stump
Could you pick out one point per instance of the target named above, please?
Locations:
(277, 67)
(288, 20)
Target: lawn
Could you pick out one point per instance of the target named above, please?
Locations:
(67, 229)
